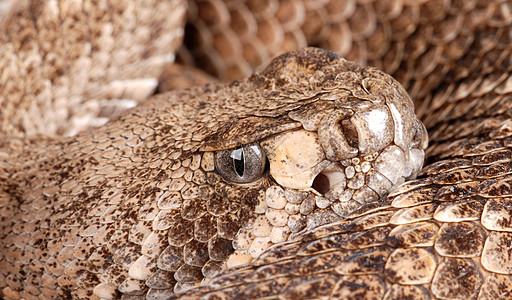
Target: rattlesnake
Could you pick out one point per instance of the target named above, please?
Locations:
(143, 206)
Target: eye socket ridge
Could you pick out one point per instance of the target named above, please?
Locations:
(243, 164)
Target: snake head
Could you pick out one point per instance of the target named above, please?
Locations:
(335, 136)
(347, 134)
(357, 146)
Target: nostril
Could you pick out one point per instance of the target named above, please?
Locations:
(321, 183)
(350, 132)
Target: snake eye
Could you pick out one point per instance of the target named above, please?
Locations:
(241, 165)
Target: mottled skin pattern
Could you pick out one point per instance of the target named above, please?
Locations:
(445, 235)
(69, 65)
(136, 203)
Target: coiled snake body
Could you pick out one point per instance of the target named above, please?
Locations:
(275, 186)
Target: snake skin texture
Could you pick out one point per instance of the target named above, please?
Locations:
(113, 211)
(69, 65)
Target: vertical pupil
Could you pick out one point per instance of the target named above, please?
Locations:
(238, 160)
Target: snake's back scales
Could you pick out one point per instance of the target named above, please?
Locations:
(170, 193)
